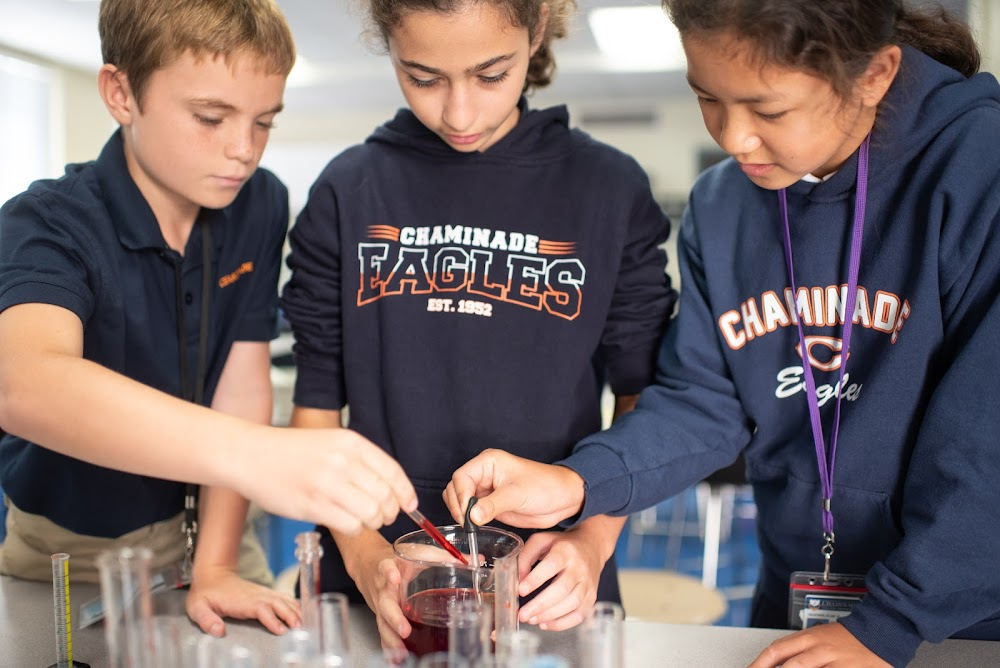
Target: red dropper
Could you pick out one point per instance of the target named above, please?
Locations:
(426, 525)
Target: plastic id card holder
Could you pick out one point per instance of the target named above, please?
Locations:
(170, 577)
(813, 600)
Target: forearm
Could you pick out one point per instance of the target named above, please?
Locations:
(602, 532)
(100, 416)
(623, 404)
(222, 514)
(244, 391)
(314, 418)
(360, 550)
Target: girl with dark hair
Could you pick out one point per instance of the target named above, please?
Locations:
(469, 278)
(860, 380)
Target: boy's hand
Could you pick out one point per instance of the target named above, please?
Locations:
(219, 592)
(333, 477)
(822, 645)
(516, 491)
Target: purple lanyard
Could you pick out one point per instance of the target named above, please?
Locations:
(823, 459)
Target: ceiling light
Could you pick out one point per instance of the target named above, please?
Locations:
(637, 39)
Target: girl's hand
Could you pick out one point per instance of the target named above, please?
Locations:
(513, 490)
(573, 560)
(378, 579)
(829, 645)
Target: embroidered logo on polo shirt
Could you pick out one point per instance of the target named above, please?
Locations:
(232, 277)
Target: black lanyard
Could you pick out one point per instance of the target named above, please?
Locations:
(196, 394)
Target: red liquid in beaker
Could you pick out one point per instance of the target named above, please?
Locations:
(427, 612)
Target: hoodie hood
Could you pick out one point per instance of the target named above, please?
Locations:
(925, 97)
(538, 135)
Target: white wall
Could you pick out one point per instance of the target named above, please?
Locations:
(79, 123)
(667, 148)
(87, 124)
(984, 17)
(302, 144)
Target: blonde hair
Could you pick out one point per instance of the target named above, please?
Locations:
(142, 36)
(384, 15)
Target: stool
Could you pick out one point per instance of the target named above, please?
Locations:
(666, 596)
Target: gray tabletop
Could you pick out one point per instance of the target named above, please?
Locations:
(27, 637)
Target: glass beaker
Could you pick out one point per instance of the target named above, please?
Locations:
(432, 581)
(127, 600)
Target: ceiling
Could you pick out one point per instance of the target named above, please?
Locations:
(339, 72)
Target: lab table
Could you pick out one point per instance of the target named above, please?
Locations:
(27, 637)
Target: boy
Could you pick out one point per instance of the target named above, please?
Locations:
(108, 322)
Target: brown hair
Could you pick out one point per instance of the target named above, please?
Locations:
(834, 39)
(142, 36)
(384, 15)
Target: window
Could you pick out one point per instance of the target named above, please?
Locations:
(27, 146)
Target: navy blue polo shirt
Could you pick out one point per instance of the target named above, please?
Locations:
(89, 242)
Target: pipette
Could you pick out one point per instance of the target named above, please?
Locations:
(472, 535)
(472, 531)
(426, 525)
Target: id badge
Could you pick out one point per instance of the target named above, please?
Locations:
(813, 600)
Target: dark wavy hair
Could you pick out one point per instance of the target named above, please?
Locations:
(833, 39)
(384, 15)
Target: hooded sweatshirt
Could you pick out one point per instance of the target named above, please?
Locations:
(457, 302)
(917, 470)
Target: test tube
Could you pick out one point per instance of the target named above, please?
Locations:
(298, 648)
(242, 657)
(505, 600)
(469, 626)
(60, 604)
(442, 660)
(125, 593)
(308, 551)
(599, 637)
(392, 657)
(334, 643)
(518, 647)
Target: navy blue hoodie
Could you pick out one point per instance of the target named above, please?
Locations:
(457, 302)
(915, 498)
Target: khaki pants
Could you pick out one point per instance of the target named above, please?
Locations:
(32, 540)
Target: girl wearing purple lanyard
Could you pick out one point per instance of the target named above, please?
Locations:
(838, 323)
